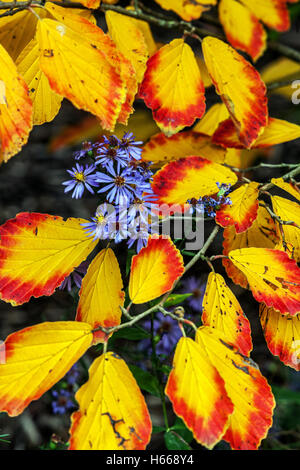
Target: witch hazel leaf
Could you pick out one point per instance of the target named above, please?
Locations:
(38, 357)
(190, 177)
(112, 411)
(282, 334)
(290, 188)
(242, 28)
(198, 394)
(161, 149)
(80, 72)
(173, 87)
(101, 294)
(273, 13)
(273, 277)
(247, 389)
(243, 208)
(154, 270)
(211, 119)
(289, 211)
(188, 10)
(261, 234)
(221, 310)
(15, 108)
(240, 88)
(276, 132)
(37, 252)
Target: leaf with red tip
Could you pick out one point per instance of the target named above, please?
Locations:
(261, 234)
(240, 88)
(173, 88)
(211, 119)
(112, 413)
(161, 149)
(243, 210)
(221, 310)
(38, 357)
(37, 252)
(197, 393)
(273, 277)
(101, 294)
(273, 13)
(242, 28)
(248, 390)
(282, 334)
(190, 177)
(154, 270)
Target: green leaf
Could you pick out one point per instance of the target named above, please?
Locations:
(182, 430)
(158, 429)
(285, 395)
(145, 380)
(175, 442)
(132, 333)
(176, 299)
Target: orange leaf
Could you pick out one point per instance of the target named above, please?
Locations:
(37, 252)
(173, 88)
(15, 108)
(282, 334)
(101, 295)
(242, 28)
(273, 277)
(240, 88)
(188, 9)
(38, 357)
(243, 210)
(154, 270)
(112, 411)
(261, 234)
(161, 149)
(197, 393)
(79, 71)
(248, 390)
(273, 13)
(221, 310)
(190, 177)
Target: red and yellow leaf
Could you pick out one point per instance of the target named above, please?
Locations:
(112, 411)
(240, 88)
(15, 108)
(190, 177)
(242, 28)
(101, 294)
(290, 188)
(273, 13)
(261, 234)
(154, 270)
(198, 394)
(289, 211)
(161, 149)
(37, 252)
(276, 132)
(211, 119)
(188, 9)
(243, 210)
(173, 87)
(247, 389)
(273, 277)
(38, 357)
(282, 334)
(221, 310)
(79, 71)
(46, 103)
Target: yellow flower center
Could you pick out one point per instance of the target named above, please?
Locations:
(79, 176)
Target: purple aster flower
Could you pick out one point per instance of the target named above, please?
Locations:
(130, 146)
(88, 149)
(103, 223)
(110, 152)
(82, 179)
(118, 185)
(75, 277)
(73, 375)
(195, 286)
(167, 329)
(62, 401)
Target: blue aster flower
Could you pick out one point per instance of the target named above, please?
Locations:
(167, 329)
(196, 287)
(75, 277)
(103, 224)
(110, 153)
(130, 146)
(118, 185)
(62, 402)
(82, 178)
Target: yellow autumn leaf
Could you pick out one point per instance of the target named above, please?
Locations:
(290, 188)
(221, 310)
(289, 211)
(38, 357)
(80, 72)
(211, 119)
(37, 252)
(239, 86)
(278, 71)
(46, 103)
(273, 13)
(112, 411)
(101, 294)
(188, 9)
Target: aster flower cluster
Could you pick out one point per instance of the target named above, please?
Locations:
(62, 398)
(123, 182)
(209, 205)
